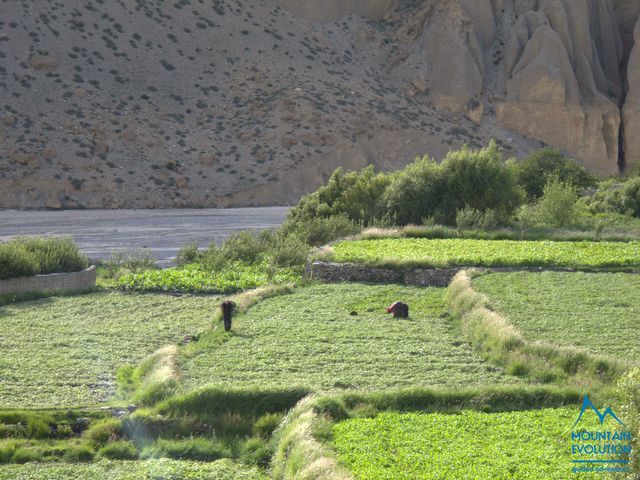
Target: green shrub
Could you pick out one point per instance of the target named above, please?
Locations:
(78, 453)
(479, 179)
(199, 449)
(356, 195)
(16, 261)
(331, 407)
(630, 196)
(266, 424)
(415, 193)
(153, 393)
(243, 246)
(289, 251)
(256, 451)
(319, 231)
(27, 454)
(38, 428)
(7, 450)
(189, 253)
(558, 205)
(120, 450)
(534, 172)
(104, 431)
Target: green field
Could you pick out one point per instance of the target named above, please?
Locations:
(488, 253)
(162, 469)
(310, 339)
(472, 445)
(195, 279)
(64, 351)
(597, 311)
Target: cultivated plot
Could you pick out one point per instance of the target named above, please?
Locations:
(487, 253)
(514, 445)
(310, 338)
(133, 470)
(63, 352)
(596, 311)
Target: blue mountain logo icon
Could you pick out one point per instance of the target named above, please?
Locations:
(587, 404)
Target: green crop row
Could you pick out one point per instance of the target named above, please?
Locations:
(532, 444)
(488, 253)
(196, 279)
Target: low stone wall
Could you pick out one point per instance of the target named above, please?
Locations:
(349, 272)
(59, 282)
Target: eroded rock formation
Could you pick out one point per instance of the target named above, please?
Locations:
(255, 102)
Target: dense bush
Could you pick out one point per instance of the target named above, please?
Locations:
(466, 179)
(558, 205)
(534, 172)
(631, 196)
(415, 193)
(32, 256)
(357, 195)
(120, 450)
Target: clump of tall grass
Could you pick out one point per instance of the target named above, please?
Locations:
(500, 342)
(33, 256)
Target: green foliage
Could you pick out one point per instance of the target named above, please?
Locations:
(356, 195)
(131, 262)
(61, 346)
(534, 172)
(470, 218)
(189, 253)
(466, 179)
(266, 424)
(482, 445)
(199, 449)
(462, 252)
(631, 196)
(256, 451)
(571, 308)
(133, 470)
(320, 231)
(217, 401)
(103, 432)
(119, 450)
(558, 205)
(78, 453)
(196, 278)
(31, 256)
(415, 193)
(480, 180)
(308, 338)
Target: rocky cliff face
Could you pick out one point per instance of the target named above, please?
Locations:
(171, 103)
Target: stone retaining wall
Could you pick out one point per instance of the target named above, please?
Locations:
(59, 282)
(349, 272)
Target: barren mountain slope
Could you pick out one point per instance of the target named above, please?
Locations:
(171, 103)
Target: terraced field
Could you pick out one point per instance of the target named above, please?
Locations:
(129, 470)
(488, 253)
(514, 445)
(596, 311)
(64, 351)
(310, 338)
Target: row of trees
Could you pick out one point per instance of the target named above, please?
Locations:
(468, 186)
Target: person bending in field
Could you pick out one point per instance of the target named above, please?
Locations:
(399, 310)
(227, 312)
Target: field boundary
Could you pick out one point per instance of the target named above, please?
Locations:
(334, 272)
(53, 282)
(500, 342)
